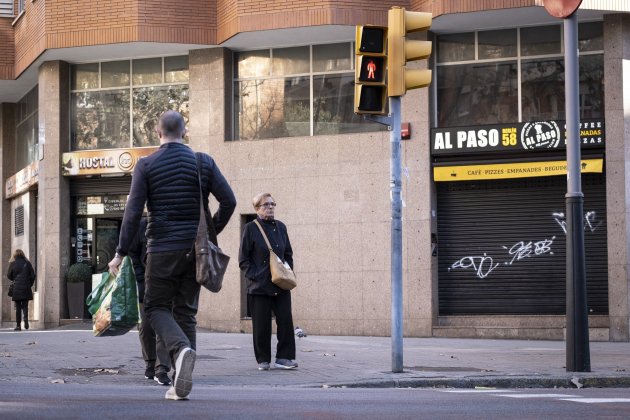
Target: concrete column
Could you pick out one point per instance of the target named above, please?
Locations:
(53, 215)
(617, 114)
(7, 164)
(209, 80)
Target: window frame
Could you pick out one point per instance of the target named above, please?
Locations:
(311, 75)
(519, 58)
(129, 88)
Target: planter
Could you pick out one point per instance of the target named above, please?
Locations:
(76, 299)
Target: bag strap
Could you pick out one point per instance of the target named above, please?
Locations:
(264, 235)
(203, 226)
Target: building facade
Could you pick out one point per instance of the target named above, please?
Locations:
(267, 89)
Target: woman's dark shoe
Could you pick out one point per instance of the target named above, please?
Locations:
(17, 329)
(26, 325)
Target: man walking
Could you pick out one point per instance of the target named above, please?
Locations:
(168, 183)
(156, 358)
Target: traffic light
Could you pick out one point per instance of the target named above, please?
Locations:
(370, 88)
(400, 51)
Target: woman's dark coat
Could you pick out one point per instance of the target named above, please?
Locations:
(22, 275)
(253, 256)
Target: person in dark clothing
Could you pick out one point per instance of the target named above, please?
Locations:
(264, 297)
(156, 359)
(22, 276)
(167, 181)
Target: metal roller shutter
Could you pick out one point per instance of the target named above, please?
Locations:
(100, 186)
(501, 246)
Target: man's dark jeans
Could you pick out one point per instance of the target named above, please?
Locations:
(153, 350)
(171, 299)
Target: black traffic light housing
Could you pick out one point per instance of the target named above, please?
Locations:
(370, 89)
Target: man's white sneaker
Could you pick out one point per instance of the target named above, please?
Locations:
(171, 395)
(286, 364)
(184, 365)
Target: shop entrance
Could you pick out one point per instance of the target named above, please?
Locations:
(96, 240)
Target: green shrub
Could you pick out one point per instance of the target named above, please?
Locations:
(79, 272)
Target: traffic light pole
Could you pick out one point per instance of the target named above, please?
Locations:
(395, 165)
(396, 263)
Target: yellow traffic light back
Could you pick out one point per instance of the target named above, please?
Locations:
(400, 51)
(370, 88)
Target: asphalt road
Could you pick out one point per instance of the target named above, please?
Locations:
(110, 401)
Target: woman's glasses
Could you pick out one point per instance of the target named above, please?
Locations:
(268, 205)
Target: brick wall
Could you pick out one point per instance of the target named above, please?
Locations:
(441, 7)
(29, 35)
(7, 49)
(72, 23)
(256, 15)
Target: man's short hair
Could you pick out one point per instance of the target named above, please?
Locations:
(172, 125)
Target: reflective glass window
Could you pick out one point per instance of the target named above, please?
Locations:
(332, 57)
(147, 71)
(100, 119)
(456, 47)
(114, 74)
(252, 64)
(176, 69)
(288, 61)
(273, 108)
(541, 40)
(333, 106)
(497, 44)
(591, 36)
(106, 117)
(84, 76)
(542, 84)
(149, 103)
(476, 94)
(27, 129)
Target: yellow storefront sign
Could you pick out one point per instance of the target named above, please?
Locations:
(512, 170)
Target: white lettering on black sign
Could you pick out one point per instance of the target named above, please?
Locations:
(540, 135)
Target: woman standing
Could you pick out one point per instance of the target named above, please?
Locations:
(22, 276)
(264, 297)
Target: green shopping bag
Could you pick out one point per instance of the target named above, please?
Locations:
(114, 302)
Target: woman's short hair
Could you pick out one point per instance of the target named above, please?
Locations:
(260, 198)
(18, 253)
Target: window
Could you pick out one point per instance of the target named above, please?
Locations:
(297, 91)
(19, 221)
(21, 5)
(6, 8)
(116, 104)
(27, 129)
(482, 75)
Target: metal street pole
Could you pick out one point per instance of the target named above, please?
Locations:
(396, 263)
(577, 342)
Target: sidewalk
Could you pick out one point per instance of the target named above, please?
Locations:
(71, 354)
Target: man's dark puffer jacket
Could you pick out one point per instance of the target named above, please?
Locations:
(168, 181)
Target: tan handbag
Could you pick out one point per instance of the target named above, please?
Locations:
(281, 273)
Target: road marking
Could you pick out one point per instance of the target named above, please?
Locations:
(596, 400)
(541, 396)
(475, 391)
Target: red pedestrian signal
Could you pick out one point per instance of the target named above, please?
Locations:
(370, 89)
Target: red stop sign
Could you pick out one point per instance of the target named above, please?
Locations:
(562, 8)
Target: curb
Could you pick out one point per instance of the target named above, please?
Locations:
(492, 382)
